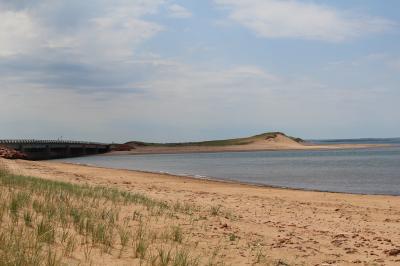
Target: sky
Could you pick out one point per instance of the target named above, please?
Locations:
(165, 70)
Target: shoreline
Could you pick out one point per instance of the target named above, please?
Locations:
(242, 148)
(226, 181)
(294, 226)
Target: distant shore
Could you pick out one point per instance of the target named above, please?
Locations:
(275, 141)
(290, 225)
(247, 148)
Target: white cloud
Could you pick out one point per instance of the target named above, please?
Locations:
(114, 37)
(112, 32)
(175, 100)
(186, 99)
(18, 31)
(178, 11)
(295, 19)
(74, 68)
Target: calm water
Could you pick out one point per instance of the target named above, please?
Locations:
(367, 171)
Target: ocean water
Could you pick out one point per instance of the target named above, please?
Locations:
(364, 171)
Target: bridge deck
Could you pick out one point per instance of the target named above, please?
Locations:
(51, 149)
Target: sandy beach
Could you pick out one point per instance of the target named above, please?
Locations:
(200, 133)
(289, 226)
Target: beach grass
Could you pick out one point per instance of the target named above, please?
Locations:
(97, 216)
(45, 222)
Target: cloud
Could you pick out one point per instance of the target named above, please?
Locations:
(82, 69)
(17, 32)
(208, 85)
(178, 11)
(296, 19)
(76, 45)
(111, 31)
(82, 101)
(154, 98)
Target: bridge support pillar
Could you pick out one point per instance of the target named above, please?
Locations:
(48, 151)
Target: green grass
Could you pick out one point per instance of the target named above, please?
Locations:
(215, 210)
(45, 222)
(177, 234)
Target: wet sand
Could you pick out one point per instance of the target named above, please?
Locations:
(297, 227)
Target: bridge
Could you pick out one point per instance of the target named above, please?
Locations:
(52, 149)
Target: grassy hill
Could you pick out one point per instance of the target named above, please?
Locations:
(215, 143)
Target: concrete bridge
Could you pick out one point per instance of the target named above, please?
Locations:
(52, 149)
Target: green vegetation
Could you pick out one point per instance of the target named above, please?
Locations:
(215, 210)
(213, 143)
(46, 222)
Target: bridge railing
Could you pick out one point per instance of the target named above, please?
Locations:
(36, 141)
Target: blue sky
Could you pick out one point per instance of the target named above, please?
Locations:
(164, 70)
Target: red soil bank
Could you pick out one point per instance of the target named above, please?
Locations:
(121, 147)
(9, 153)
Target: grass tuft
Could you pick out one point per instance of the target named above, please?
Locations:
(42, 221)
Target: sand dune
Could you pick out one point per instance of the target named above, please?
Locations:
(262, 142)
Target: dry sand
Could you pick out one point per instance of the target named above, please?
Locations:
(299, 227)
(280, 142)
